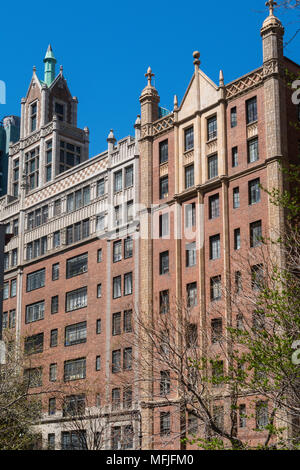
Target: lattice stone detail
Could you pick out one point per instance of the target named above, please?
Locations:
(244, 84)
(163, 124)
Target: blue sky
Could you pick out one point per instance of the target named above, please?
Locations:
(106, 48)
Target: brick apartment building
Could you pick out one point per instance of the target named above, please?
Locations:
(83, 263)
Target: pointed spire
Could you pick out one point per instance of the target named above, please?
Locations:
(175, 102)
(221, 79)
(49, 62)
(197, 62)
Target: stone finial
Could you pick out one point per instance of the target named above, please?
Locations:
(196, 56)
(271, 4)
(175, 102)
(221, 79)
(137, 121)
(61, 69)
(111, 137)
(34, 69)
(86, 130)
(149, 76)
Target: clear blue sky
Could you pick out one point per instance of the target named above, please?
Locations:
(106, 47)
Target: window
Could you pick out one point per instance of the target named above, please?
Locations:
(52, 406)
(164, 304)
(59, 111)
(69, 156)
(5, 320)
(164, 262)
(189, 176)
(242, 416)
(117, 251)
(33, 116)
(74, 369)
(116, 438)
(116, 361)
(190, 252)
(98, 326)
(165, 383)
(235, 157)
(34, 344)
(12, 318)
(75, 334)
(53, 338)
(238, 281)
(74, 405)
(212, 128)
(163, 152)
(99, 255)
(52, 372)
(163, 187)
(257, 276)
(48, 167)
(129, 176)
(78, 231)
(117, 287)
(214, 247)
(128, 247)
(127, 283)
(15, 229)
(77, 265)
(32, 168)
(191, 291)
(55, 272)
(57, 207)
(116, 323)
(215, 288)
(189, 138)
(129, 211)
(115, 398)
(251, 110)
(37, 217)
(99, 291)
(16, 164)
(100, 222)
(51, 441)
(190, 215)
(192, 424)
(118, 216)
(54, 304)
(262, 416)
(13, 288)
(127, 397)
(98, 362)
(236, 198)
(5, 290)
(33, 377)
(118, 181)
(240, 321)
(127, 321)
(217, 373)
(214, 206)
(6, 261)
(254, 191)
(163, 225)
(35, 312)
(233, 117)
(218, 416)
(165, 423)
(237, 239)
(56, 239)
(253, 154)
(255, 234)
(35, 280)
(14, 257)
(212, 167)
(76, 299)
(36, 248)
(216, 330)
(100, 187)
(73, 440)
(127, 359)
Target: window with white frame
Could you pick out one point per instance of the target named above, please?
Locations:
(76, 299)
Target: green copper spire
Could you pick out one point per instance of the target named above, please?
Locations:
(50, 62)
